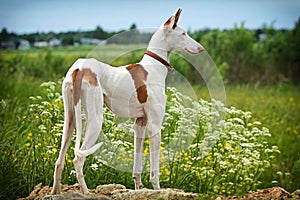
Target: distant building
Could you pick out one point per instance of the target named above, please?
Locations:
(7, 44)
(24, 45)
(54, 42)
(89, 41)
(40, 44)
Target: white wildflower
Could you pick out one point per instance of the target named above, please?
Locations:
(94, 166)
(246, 161)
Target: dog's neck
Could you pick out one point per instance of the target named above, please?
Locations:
(158, 45)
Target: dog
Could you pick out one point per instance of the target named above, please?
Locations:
(131, 91)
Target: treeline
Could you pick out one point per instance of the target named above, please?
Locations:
(263, 56)
(74, 37)
(266, 55)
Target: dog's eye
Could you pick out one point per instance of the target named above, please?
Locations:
(184, 33)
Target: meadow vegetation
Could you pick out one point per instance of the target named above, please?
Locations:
(251, 142)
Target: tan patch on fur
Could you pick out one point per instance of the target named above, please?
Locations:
(74, 74)
(139, 76)
(90, 76)
(77, 77)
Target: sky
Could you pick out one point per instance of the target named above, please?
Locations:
(28, 16)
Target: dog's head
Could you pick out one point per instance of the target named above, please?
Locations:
(177, 38)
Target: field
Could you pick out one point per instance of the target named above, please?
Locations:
(31, 122)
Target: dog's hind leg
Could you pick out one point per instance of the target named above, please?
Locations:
(67, 134)
(92, 99)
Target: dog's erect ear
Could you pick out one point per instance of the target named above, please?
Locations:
(177, 15)
(172, 21)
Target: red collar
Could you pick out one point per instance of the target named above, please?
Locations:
(160, 59)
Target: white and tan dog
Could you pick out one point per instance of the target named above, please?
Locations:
(131, 91)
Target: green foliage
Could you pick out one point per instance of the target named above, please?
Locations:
(265, 55)
(225, 156)
(43, 64)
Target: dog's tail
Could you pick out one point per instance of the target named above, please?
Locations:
(77, 77)
(77, 83)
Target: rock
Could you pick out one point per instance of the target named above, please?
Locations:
(108, 189)
(107, 192)
(296, 195)
(72, 195)
(119, 192)
(145, 194)
(69, 192)
(270, 193)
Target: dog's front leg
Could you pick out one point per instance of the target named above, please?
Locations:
(154, 160)
(155, 117)
(139, 136)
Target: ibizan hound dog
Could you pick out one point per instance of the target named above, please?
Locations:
(131, 91)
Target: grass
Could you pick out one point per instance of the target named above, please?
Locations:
(277, 107)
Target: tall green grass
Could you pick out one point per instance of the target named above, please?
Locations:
(201, 151)
(278, 108)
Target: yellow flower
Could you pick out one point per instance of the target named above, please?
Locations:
(146, 150)
(198, 174)
(165, 171)
(36, 116)
(27, 144)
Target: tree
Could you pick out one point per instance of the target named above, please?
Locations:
(99, 33)
(68, 40)
(4, 35)
(133, 26)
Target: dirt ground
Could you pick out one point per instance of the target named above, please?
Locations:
(119, 192)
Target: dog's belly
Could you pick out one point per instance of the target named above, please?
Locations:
(120, 93)
(125, 108)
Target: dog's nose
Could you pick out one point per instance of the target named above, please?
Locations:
(200, 49)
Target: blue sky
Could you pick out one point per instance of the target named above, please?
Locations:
(28, 16)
